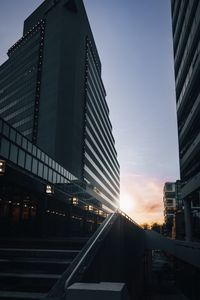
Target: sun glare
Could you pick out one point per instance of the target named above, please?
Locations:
(126, 203)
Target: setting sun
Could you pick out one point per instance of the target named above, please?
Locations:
(126, 203)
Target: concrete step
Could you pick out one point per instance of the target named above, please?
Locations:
(45, 253)
(34, 265)
(56, 243)
(7, 295)
(27, 282)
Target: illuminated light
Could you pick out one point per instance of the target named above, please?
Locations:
(75, 201)
(32, 207)
(9, 201)
(18, 203)
(127, 203)
(100, 212)
(49, 189)
(90, 208)
(2, 167)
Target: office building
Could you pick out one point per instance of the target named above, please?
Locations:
(186, 40)
(51, 91)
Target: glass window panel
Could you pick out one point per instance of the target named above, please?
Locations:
(56, 166)
(61, 179)
(13, 153)
(34, 166)
(53, 164)
(19, 139)
(12, 134)
(34, 150)
(40, 169)
(28, 162)
(5, 145)
(24, 143)
(46, 159)
(58, 178)
(54, 177)
(38, 153)
(45, 172)
(30, 147)
(6, 129)
(50, 162)
(1, 125)
(42, 156)
(21, 158)
(50, 175)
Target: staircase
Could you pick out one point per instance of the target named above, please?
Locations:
(30, 268)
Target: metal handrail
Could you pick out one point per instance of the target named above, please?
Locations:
(67, 283)
(72, 271)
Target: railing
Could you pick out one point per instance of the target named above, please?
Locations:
(114, 253)
(70, 275)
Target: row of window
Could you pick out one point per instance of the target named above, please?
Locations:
(101, 151)
(98, 124)
(182, 16)
(93, 68)
(187, 64)
(26, 61)
(111, 202)
(190, 35)
(22, 147)
(102, 162)
(105, 180)
(194, 63)
(103, 146)
(93, 79)
(95, 107)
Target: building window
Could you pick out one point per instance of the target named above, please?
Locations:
(13, 153)
(5, 145)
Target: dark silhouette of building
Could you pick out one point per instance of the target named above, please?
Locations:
(52, 92)
(186, 38)
(172, 203)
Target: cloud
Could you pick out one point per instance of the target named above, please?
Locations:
(141, 198)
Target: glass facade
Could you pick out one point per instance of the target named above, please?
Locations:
(101, 168)
(186, 38)
(36, 192)
(20, 81)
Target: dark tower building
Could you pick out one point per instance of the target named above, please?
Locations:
(52, 92)
(186, 38)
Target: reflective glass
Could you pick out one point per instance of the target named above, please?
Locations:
(40, 169)
(5, 145)
(19, 139)
(21, 158)
(5, 129)
(34, 166)
(28, 162)
(13, 153)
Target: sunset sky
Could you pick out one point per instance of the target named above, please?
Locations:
(134, 41)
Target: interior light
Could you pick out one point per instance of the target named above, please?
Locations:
(49, 189)
(2, 167)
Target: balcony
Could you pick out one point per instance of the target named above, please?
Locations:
(192, 115)
(191, 152)
(191, 186)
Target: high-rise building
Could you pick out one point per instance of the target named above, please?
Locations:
(186, 39)
(51, 91)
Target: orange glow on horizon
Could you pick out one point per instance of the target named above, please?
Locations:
(141, 198)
